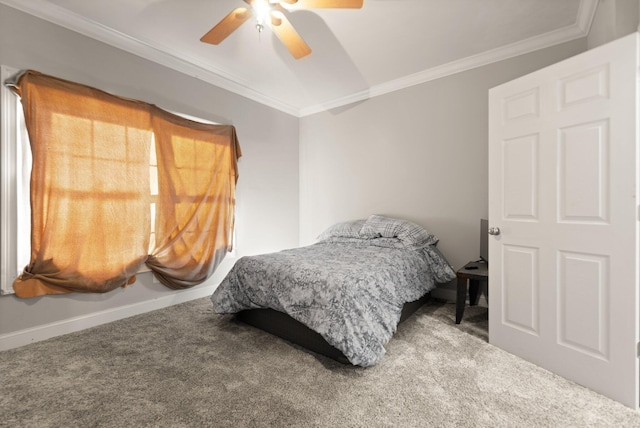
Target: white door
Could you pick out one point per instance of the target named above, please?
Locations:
(562, 190)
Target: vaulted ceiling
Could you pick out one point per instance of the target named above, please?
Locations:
(356, 53)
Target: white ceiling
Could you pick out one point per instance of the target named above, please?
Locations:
(357, 53)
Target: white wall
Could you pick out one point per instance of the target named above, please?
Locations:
(613, 19)
(267, 192)
(419, 153)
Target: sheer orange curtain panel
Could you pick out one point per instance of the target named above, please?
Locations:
(89, 187)
(195, 204)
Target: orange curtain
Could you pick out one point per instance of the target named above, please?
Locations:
(97, 207)
(197, 166)
(89, 187)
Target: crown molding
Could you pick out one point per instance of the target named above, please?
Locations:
(580, 29)
(159, 54)
(233, 83)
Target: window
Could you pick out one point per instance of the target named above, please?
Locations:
(108, 136)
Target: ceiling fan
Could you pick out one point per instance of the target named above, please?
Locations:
(273, 12)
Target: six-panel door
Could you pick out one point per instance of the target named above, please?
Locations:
(563, 191)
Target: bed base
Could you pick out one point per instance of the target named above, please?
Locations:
(285, 327)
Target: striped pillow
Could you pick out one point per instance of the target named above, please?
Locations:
(345, 229)
(409, 233)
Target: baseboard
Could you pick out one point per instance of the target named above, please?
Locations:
(71, 325)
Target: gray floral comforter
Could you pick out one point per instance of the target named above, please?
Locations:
(351, 291)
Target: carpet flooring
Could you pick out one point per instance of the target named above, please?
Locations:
(186, 366)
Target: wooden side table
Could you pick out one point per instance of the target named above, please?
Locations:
(474, 276)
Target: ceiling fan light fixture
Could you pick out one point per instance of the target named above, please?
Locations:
(275, 11)
(261, 10)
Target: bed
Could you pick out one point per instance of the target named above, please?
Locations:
(343, 296)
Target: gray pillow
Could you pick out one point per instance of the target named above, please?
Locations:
(345, 229)
(409, 233)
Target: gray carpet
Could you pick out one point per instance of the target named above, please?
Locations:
(185, 366)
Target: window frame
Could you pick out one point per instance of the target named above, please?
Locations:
(8, 183)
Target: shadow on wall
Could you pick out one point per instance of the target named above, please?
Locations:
(337, 76)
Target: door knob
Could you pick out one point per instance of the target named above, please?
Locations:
(494, 231)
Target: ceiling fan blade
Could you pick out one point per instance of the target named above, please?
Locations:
(227, 26)
(342, 4)
(288, 35)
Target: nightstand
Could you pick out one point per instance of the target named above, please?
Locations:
(478, 274)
